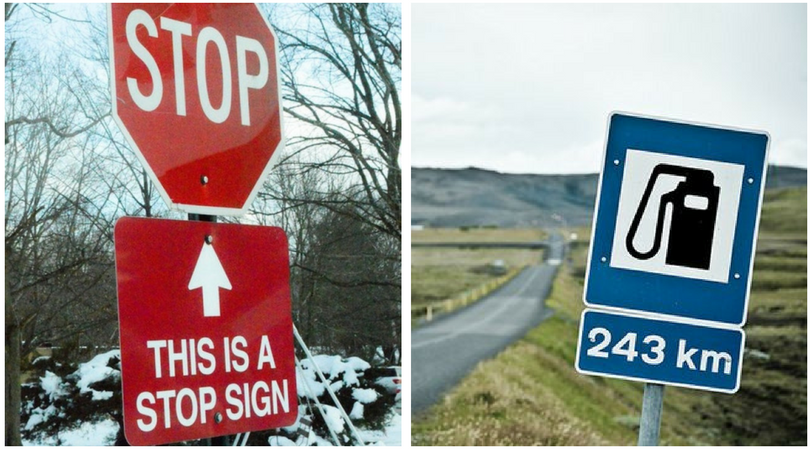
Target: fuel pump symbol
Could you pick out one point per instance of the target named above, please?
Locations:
(694, 213)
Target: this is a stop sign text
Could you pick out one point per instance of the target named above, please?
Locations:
(205, 321)
(197, 95)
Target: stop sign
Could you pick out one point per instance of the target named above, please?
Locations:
(197, 95)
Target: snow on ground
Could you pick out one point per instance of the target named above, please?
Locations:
(365, 396)
(306, 380)
(281, 441)
(104, 432)
(96, 370)
(357, 411)
(332, 418)
(344, 372)
(391, 436)
(54, 388)
(52, 384)
(302, 409)
(89, 433)
(40, 415)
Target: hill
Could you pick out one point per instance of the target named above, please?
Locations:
(472, 196)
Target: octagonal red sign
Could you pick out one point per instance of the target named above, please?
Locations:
(196, 92)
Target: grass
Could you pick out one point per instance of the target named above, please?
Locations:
(530, 394)
(478, 235)
(441, 273)
(782, 217)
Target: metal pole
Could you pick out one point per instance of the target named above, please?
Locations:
(202, 218)
(651, 407)
(221, 441)
(217, 440)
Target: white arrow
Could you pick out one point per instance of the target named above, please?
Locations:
(210, 276)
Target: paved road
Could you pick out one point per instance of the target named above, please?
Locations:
(447, 349)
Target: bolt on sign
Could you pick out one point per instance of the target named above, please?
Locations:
(206, 329)
(672, 252)
(196, 92)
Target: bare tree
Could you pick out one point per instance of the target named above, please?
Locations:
(354, 286)
(345, 274)
(341, 72)
(136, 194)
(290, 199)
(57, 216)
(338, 188)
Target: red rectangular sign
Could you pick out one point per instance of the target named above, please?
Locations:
(206, 329)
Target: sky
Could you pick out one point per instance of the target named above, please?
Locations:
(522, 88)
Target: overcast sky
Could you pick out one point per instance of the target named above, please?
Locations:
(528, 88)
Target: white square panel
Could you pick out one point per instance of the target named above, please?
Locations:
(685, 225)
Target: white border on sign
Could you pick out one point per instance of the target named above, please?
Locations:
(198, 209)
(756, 223)
(650, 380)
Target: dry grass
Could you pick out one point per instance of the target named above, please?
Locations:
(441, 273)
(478, 235)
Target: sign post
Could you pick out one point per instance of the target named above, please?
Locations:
(651, 407)
(672, 253)
(225, 439)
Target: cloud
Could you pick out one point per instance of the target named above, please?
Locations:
(788, 152)
(449, 110)
(522, 88)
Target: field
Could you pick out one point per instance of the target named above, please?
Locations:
(477, 234)
(530, 394)
(441, 273)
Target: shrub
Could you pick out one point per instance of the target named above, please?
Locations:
(66, 395)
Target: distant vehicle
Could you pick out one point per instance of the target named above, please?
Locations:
(497, 267)
(390, 378)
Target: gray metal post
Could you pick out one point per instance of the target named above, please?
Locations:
(216, 440)
(221, 441)
(651, 408)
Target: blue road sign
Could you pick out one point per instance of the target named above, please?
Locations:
(676, 219)
(660, 351)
